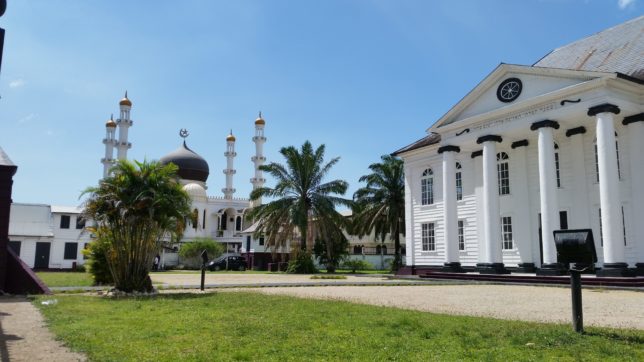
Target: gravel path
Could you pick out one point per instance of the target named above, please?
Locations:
(607, 308)
(24, 337)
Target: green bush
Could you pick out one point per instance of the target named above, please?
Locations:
(80, 268)
(302, 264)
(338, 249)
(191, 251)
(96, 263)
(356, 264)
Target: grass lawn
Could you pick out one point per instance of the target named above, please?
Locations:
(65, 279)
(229, 326)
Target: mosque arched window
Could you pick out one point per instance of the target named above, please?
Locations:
(459, 182)
(238, 223)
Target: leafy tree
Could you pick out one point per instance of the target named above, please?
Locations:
(96, 254)
(135, 208)
(331, 253)
(191, 250)
(380, 205)
(303, 204)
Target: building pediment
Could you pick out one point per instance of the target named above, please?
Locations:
(511, 85)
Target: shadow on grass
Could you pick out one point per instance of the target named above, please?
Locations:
(173, 296)
(622, 336)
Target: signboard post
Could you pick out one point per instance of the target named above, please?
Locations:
(576, 246)
(204, 260)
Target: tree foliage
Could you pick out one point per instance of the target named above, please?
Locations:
(190, 252)
(96, 254)
(135, 208)
(303, 204)
(331, 254)
(380, 205)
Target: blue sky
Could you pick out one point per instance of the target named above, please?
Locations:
(363, 77)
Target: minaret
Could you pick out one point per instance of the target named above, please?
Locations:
(109, 141)
(229, 171)
(124, 122)
(258, 159)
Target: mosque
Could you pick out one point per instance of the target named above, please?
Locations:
(216, 217)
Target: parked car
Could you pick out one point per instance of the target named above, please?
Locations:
(227, 262)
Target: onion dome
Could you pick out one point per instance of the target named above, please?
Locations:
(126, 101)
(230, 137)
(191, 165)
(110, 123)
(196, 192)
(260, 120)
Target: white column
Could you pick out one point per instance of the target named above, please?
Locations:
(635, 129)
(124, 123)
(579, 217)
(258, 159)
(230, 154)
(410, 240)
(450, 214)
(108, 160)
(609, 198)
(521, 223)
(491, 214)
(548, 191)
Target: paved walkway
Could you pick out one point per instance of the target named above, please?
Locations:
(24, 337)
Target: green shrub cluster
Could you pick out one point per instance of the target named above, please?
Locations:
(356, 264)
(190, 252)
(302, 264)
(96, 263)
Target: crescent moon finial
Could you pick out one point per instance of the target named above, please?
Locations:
(184, 133)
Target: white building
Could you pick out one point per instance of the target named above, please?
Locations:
(530, 150)
(48, 237)
(218, 217)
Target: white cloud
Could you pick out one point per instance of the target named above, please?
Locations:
(17, 83)
(27, 118)
(623, 4)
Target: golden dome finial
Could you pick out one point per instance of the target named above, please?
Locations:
(126, 101)
(230, 137)
(259, 119)
(110, 122)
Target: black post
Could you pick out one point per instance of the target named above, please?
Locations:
(204, 260)
(577, 312)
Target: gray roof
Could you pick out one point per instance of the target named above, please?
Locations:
(431, 139)
(619, 49)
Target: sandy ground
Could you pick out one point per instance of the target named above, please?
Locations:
(607, 308)
(602, 307)
(24, 337)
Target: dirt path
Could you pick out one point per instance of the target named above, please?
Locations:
(24, 336)
(606, 308)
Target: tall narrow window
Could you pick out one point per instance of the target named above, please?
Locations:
(624, 225)
(461, 235)
(503, 168)
(619, 169)
(195, 218)
(71, 250)
(506, 224)
(557, 165)
(601, 229)
(459, 182)
(427, 237)
(203, 223)
(238, 223)
(427, 187)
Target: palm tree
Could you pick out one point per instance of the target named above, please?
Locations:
(303, 204)
(380, 205)
(135, 208)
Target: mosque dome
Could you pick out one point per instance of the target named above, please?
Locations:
(110, 123)
(196, 192)
(126, 101)
(230, 137)
(191, 165)
(260, 120)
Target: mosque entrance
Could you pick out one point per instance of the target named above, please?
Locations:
(42, 255)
